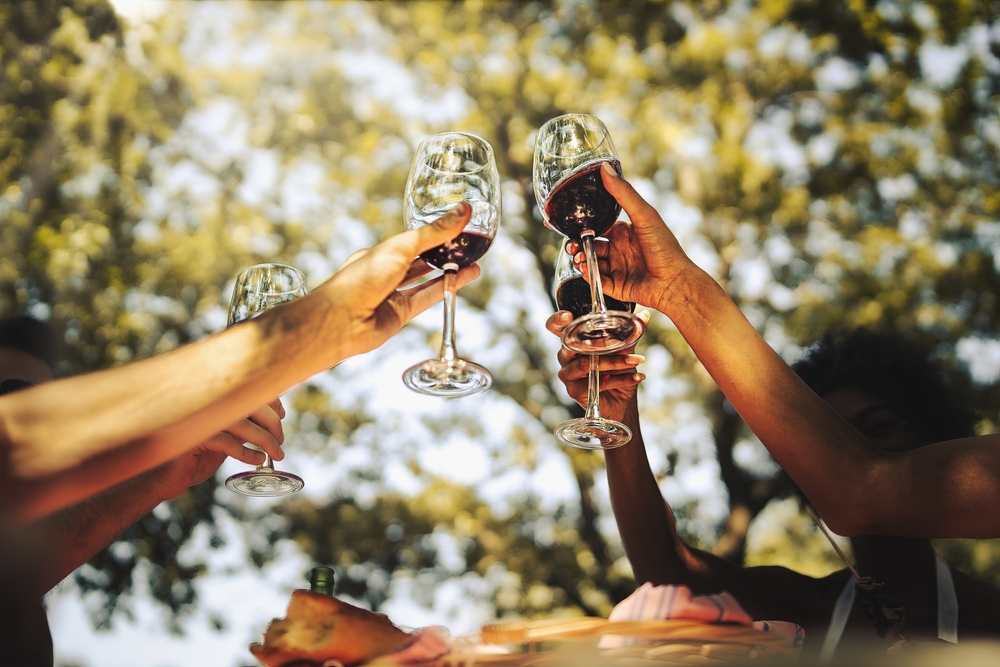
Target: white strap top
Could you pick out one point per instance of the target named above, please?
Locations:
(947, 611)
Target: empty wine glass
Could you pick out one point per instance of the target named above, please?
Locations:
(258, 288)
(592, 431)
(449, 169)
(566, 174)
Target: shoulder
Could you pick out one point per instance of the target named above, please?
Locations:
(782, 594)
(775, 575)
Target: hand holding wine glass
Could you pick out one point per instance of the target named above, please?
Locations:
(640, 260)
(570, 153)
(452, 172)
(260, 288)
(582, 374)
(619, 376)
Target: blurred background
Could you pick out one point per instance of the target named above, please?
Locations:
(828, 163)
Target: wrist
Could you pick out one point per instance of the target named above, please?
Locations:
(680, 294)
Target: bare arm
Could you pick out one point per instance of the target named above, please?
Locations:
(645, 521)
(944, 490)
(66, 440)
(68, 538)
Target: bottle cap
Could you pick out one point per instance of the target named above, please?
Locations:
(321, 580)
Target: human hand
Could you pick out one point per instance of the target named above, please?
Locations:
(261, 427)
(366, 292)
(618, 377)
(641, 260)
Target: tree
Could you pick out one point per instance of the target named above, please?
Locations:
(827, 164)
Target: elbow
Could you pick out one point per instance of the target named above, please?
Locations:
(844, 525)
(849, 520)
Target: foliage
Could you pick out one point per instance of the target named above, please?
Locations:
(828, 163)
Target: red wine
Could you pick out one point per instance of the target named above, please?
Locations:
(574, 295)
(580, 201)
(463, 250)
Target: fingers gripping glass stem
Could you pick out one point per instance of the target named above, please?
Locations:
(601, 331)
(259, 288)
(593, 431)
(596, 291)
(449, 169)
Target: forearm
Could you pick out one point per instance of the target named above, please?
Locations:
(831, 461)
(645, 522)
(647, 525)
(68, 439)
(73, 535)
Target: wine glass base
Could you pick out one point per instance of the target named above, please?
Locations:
(603, 333)
(265, 483)
(450, 379)
(592, 433)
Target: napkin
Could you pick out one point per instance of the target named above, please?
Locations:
(650, 603)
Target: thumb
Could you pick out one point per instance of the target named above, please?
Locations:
(440, 231)
(640, 212)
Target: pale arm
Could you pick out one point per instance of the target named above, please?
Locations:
(67, 539)
(70, 537)
(69, 439)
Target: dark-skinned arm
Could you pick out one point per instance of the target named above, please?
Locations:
(646, 523)
(948, 489)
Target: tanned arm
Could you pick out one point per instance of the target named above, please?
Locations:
(67, 440)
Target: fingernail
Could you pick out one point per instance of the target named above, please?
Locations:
(639, 377)
(634, 359)
(606, 166)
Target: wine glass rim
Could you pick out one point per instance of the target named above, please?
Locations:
(605, 138)
(468, 135)
(276, 265)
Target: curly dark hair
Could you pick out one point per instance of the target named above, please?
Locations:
(896, 369)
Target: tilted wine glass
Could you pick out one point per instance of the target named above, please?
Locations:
(592, 431)
(449, 169)
(566, 175)
(258, 288)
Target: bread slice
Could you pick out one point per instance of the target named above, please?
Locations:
(319, 627)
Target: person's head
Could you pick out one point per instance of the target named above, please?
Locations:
(887, 386)
(29, 353)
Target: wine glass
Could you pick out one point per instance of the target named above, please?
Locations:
(566, 174)
(592, 431)
(258, 288)
(449, 169)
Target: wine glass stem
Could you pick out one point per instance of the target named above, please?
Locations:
(268, 464)
(596, 293)
(594, 390)
(448, 351)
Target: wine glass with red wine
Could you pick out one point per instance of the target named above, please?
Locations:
(592, 431)
(566, 174)
(449, 169)
(259, 288)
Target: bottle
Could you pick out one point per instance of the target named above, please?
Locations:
(321, 580)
